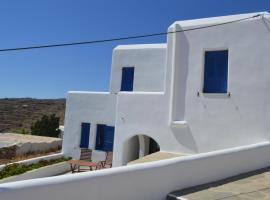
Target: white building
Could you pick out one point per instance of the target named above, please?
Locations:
(206, 89)
(204, 93)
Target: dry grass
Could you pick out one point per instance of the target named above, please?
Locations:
(29, 156)
(20, 113)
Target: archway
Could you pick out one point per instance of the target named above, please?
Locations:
(139, 146)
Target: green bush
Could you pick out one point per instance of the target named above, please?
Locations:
(16, 169)
(22, 131)
(46, 126)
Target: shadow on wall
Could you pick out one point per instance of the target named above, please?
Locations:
(185, 137)
(266, 22)
(139, 146)
(183, 133)
(181, 63)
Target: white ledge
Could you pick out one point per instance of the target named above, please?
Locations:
(179, 123)
(88, 92)
(140, 93)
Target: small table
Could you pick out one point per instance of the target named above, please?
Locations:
(78, 163)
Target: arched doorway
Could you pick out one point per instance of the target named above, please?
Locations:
(139, 146)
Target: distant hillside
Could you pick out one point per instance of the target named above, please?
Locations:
(16, 113)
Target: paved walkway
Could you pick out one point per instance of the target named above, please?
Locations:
(250, 186)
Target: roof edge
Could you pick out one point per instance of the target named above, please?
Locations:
(192, 23)
(141, 46)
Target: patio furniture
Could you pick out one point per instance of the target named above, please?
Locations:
(75, 165)
(85, 161)
(102, 157)
(108, 160)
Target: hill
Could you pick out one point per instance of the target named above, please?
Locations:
(17, 113)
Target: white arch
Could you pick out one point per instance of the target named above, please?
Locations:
(137, 147)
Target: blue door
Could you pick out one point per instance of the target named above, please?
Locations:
(104, 137)
(127, 79)
(215, 72)
(85, 133)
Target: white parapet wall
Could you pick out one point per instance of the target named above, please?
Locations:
(149, 181)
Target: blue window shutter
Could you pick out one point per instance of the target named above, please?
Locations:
(85, 133)
(216, 72)
(127, 79)
(100, 136)
(108, 138)
(104, 137)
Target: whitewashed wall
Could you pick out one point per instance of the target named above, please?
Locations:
(90, 107)
(147, 114)
(151, 181)
(217, 121)
(149, 62)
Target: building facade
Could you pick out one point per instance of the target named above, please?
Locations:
(206, 89)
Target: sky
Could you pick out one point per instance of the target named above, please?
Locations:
(51, 73)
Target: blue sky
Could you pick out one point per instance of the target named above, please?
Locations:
(50, 73)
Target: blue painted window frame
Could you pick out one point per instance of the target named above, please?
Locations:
(127, 80)
(216, 71)
(85, 135)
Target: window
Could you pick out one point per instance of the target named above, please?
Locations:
(104, 137)
(215, 71)
(127, 79)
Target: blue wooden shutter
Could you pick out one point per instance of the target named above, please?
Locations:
(127, 79)
(216, 72)
(108, 138)
(100, 136)
(85, 133)
(104, 137)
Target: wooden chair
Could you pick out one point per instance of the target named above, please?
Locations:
(108, 160)
(86, 154)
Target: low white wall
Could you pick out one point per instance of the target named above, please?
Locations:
(47, 171)
(149, 181)
(149, 62)
(38, 147)
(35, 160)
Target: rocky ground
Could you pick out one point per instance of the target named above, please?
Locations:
(18, 113)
